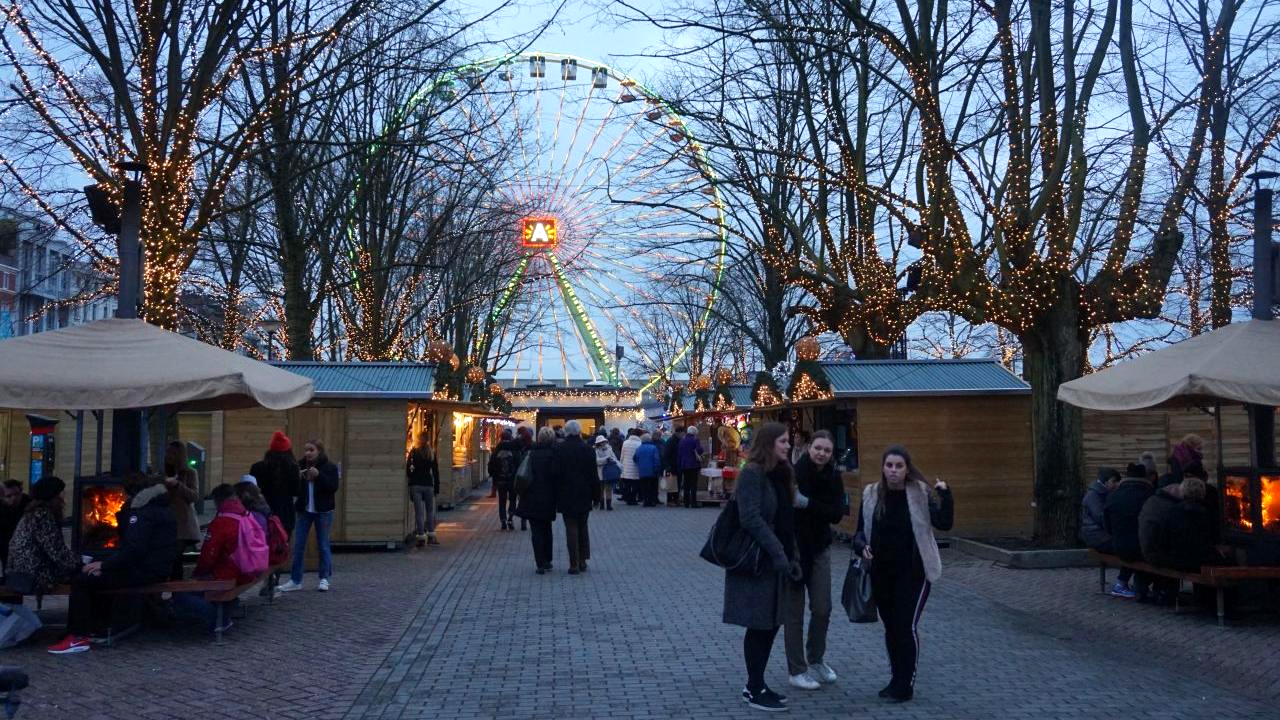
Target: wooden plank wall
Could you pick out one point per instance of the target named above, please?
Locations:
(1118, 438)
(366, 437)
(981, 445)
(373, 498)
(17, 453)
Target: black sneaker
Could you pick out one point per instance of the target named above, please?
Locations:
(763, 700)
(777, 696)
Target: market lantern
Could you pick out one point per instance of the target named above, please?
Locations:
(495, 389)
(724, 376)
(807, 349)
(454, 361)
(475, 375)
(439, 351)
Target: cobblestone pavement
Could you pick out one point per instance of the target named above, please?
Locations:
(468, 631)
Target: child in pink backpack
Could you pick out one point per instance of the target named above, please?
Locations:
(221, 556)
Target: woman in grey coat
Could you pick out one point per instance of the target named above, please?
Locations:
(756, 602)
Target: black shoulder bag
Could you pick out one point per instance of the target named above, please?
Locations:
(856, 595)
(731, 547)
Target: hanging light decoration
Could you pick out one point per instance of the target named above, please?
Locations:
(439, 352)
(475, 375)
(808, 349)
(724, 376)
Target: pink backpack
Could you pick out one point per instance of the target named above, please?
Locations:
(251, 553)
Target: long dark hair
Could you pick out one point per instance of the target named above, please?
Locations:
(762, 454)
(913, 472)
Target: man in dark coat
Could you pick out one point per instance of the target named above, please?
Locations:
(1120, 511)
(1093, 524)
(538, 499)
(503, 464)
(148, 542)
(671, 463)
(578, 488)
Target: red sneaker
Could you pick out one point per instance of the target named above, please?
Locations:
(70, 644)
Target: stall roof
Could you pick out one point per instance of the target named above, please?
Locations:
(379, 380)
(118, 364)
(560, 384)
(741, 395)
(873, 378)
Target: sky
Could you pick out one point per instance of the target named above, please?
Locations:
(585, 28)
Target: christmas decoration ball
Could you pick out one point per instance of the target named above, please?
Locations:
(808, 348)
(701, 382)
(439, 351)
(724, 376)
(454, 361)
(475, 375)
(495, 389)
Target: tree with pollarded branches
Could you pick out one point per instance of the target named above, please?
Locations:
(1019, 206)
(149, 83)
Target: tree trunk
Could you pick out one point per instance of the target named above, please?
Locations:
(1054, 353)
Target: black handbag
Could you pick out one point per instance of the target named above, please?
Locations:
(856, 595)
(731, 547)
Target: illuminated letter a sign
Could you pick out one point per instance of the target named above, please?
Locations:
(538, 232)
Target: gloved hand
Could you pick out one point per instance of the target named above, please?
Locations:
(794, 572)
(801, 502)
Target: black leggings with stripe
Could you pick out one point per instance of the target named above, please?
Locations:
(900, 600)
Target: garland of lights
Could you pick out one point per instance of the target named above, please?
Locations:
(675, 401)
(765, 391)
(809, 382)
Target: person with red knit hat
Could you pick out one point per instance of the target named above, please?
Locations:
(277, 475)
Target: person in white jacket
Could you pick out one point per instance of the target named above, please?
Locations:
(631, 471)
(604, 454)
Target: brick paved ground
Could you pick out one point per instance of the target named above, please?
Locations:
(469, 631)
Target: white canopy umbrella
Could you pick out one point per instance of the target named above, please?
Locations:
(1237, 363)
(128, 364)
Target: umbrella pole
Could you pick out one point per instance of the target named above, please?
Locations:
(97, 461)
(79, 443)
(1217, 432)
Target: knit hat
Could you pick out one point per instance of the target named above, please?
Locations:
(48, 488)
(249, 479)
(280, 442)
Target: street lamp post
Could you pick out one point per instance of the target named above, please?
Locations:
(125, 223)
(270, 326)
(1264, 296)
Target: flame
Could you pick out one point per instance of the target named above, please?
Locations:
(100, 507)
(1271, 502)
(1237, 492)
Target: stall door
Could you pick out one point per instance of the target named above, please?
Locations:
(329, 426)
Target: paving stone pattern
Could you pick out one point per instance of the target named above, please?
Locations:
(469, 631)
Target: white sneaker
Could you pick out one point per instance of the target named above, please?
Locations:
(822, 672)
(804, 681)
(324, 585)
(289, 586)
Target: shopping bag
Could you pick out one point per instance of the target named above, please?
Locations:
(856, 595)
(17, 622)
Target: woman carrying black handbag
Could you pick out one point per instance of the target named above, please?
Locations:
(756, 601)
(895, 529)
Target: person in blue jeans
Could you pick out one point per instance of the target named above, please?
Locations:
(315, 508)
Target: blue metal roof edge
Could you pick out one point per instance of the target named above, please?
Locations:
(1015, 386)
(375, 394)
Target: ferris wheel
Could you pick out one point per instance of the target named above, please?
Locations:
(617, 219)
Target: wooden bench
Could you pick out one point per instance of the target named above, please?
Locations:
(215, 591)
(14, 597)
(1217, 577)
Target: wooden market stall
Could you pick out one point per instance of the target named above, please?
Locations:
(966, 420)
(367, 415)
